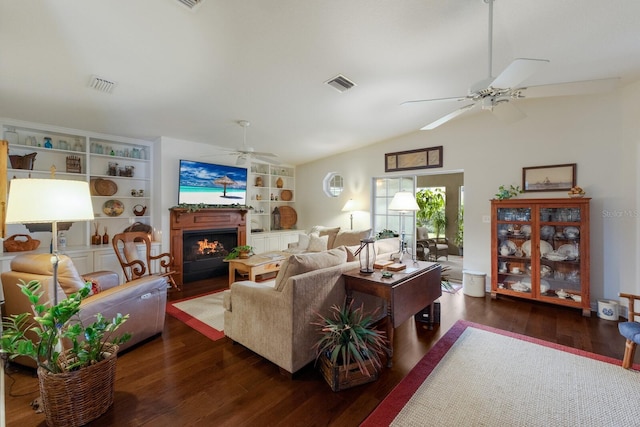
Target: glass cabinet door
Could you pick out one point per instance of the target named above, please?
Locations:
(560, 248)
(514, 254)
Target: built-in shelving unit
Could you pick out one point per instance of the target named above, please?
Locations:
(270, 186)
(124, 163)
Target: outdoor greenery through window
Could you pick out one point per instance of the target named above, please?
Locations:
(432, 202)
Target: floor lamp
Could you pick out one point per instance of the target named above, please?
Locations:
(349, 207)
(403, 202)
(49, 201)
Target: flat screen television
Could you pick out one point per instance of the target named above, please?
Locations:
(212, 184)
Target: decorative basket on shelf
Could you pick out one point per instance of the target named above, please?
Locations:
(13, 245)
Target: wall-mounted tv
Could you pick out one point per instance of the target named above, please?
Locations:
(212, 184)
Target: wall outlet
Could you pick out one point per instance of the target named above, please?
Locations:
(486, 219)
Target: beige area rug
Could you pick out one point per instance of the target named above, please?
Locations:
(204, 313)
(454, 264)
(480, 376)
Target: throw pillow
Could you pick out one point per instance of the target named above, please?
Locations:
(303, 241)
(303, 263)
(332, 233)
(317, 243)
(351, 237)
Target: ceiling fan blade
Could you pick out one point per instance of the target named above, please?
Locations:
(261, 153)
(517, 72)
(584, 87)
(507, 112)
(454, 98)
(444, 119)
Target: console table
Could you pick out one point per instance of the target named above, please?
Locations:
(408, 292)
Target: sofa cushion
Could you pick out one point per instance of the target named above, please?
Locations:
(303, 263)
(351, 237)
(332, 232)
(68, 277)
(422, 233)
(385, 247)
(317, 243)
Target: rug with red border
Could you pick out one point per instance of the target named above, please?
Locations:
(479, 375)
(204, 313)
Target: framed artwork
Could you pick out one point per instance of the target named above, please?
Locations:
(549, 178)
(423, 158)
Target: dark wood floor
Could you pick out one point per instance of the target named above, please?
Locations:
(184, 379)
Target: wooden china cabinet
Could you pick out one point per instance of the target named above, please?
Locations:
(540, 250)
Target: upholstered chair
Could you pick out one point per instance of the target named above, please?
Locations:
(630, 330)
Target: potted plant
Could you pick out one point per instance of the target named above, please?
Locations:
(241, 252)
(350, 347)
(68, 378)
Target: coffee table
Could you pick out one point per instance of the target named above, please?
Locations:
(256, 265)
(408, 292)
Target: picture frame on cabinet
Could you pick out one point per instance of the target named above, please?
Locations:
(422, 158)
(549, 178)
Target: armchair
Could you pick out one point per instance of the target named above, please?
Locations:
(143, 299)
(430, 249)
(630, 330)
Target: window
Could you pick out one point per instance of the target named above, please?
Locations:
(383, 219)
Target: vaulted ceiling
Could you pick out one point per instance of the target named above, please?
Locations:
(192, 74)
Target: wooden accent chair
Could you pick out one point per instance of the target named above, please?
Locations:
(630, 330)
(133, 265)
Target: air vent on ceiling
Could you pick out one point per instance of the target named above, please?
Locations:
(191, 4)
(101, 84)
(340, 83)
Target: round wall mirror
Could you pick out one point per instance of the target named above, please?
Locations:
(333, 184)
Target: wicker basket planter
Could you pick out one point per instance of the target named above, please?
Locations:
(341, 379)
(76, 398)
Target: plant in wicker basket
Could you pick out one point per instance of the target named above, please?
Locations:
(87, 362)
(351, 344)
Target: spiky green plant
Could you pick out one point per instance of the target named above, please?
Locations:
(52, 323)
(348, 336)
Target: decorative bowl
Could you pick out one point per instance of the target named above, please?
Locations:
(575, 196)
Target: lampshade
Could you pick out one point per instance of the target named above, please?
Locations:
(48, 200)
(350, 206)
(404, 201)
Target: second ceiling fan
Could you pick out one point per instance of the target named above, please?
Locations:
(495, 93)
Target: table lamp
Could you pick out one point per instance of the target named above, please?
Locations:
(403, 201)
(49, 201)
(350, 207)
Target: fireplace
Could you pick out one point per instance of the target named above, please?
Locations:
(203, 253)
(222, 228)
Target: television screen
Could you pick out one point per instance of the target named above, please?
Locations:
(212, 184)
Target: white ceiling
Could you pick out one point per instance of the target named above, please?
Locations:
(193, 74)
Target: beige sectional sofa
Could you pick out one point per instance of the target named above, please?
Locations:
(275, 320)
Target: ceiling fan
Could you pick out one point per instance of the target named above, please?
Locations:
(495, 93)
(245, 153)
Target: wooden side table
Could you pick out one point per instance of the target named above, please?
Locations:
(408, 292)
(256, 265)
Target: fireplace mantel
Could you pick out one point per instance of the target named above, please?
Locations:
(203, 219)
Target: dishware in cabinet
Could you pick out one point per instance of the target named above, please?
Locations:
(540, 250)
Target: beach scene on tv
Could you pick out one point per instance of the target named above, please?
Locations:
(212, 184)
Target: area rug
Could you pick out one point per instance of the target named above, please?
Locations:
(451, 287)
(481, 376)
(204, 313)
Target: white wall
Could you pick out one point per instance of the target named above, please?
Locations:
(599, 133)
